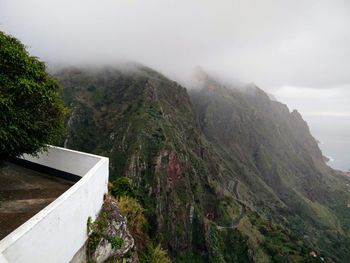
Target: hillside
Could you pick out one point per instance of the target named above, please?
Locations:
(279, 163)
(224, 175)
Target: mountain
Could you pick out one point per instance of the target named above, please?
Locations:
(225, 174)
(146, 125)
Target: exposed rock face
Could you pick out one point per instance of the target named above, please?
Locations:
(114, 228)
(174, 169)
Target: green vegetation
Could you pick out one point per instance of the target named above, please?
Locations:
(116, 242)
(280, 243)
(122, 187)
(32, 112)
(155, 255)
(97, 231)
(136, 221)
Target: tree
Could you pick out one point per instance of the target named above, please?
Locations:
(31, 110)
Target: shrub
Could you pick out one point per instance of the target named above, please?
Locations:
(160, 255)
(155, 255)
(122, 187)
(116, 242)
(98, 230)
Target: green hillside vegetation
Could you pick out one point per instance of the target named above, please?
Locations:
(222, 175)
(137, 224)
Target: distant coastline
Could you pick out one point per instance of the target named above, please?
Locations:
(329, 159)
(333, 137)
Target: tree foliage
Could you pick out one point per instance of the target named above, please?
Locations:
(31, 111)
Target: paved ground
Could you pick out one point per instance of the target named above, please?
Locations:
(23, 193)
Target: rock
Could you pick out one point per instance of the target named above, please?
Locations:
(110, 233)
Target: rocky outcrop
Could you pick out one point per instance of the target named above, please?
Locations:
(109, 237)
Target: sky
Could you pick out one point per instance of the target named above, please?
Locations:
(297, 50)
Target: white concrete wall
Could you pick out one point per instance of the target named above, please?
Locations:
(66, 160)
(58, 231)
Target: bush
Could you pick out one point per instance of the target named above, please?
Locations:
(155, 255)
(116, 242)
(160, 255)
(122, 187)
(96, 231)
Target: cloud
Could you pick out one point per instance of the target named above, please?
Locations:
(328, 114)
(297, 50)
(270, 42)
(313, 102)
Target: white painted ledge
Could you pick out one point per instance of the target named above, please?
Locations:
(57, 232)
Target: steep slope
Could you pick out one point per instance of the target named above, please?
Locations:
(215, 181)
(280, 163)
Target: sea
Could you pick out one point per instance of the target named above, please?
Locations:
(333, 134)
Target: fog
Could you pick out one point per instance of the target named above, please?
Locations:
(297, 50)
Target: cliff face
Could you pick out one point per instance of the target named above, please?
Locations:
(216, 172)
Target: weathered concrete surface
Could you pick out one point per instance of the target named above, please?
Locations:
(62, 223)
(25, 192)
(80, 256)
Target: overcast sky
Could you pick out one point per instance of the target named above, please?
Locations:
(298, 50)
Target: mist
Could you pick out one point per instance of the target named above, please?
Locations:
(297, 50)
